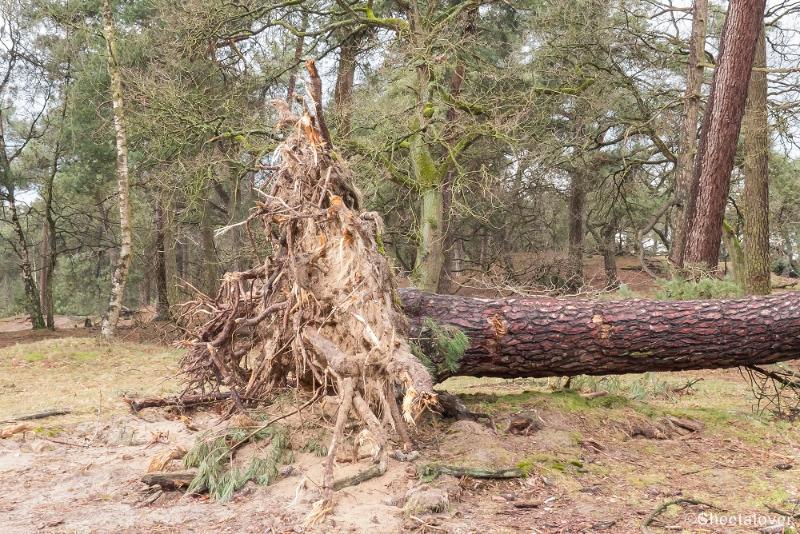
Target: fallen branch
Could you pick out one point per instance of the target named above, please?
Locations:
(375, 470)
(664, 505)
(784, 513)
(784, 286)
(170, 479)
(687, 386)
(182, 401)
(434, 470)
(38, 415)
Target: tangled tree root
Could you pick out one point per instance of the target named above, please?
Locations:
(320, 313)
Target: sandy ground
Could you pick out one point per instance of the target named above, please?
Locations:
(595, 464)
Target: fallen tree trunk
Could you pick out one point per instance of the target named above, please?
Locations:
(538, 337)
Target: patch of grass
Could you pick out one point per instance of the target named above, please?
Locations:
(572, 400)
(646, 479)
(543, 461)
(636, 387)
(48, 432)
(83, 374)
(565, 400)
(87, 355)
(34, 356)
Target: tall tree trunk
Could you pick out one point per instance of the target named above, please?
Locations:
(298, 56)
(608, 250)
(520, 337)
(22, 248)
(448, 180)
(23, 252)
(208, 249)
(734, 247)
(162, 304)
(48, 254)
(430, 253)
(49, 247)
(721, 124)
(345, 80)
(685, 182)
(428, 176)
(577, 208)
(756, 177)
(120, 276)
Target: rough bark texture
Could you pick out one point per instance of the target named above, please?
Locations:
(577, 208)
(608, 250)
(345, 78)
(428, 176)
(162, 305)
(735, 253)
(721, 124)
(448, 180)
(298, 56)
(685, 183)
(430, 252)
(208, 252)
(561, 337)
(48, 265)
(756, 178)
(120, 277)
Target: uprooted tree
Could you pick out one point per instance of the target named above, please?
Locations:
(322, 313)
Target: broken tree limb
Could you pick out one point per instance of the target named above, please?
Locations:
(181, 401)
(539, 337)
(170, 479)
(434, 470)
(38, 415)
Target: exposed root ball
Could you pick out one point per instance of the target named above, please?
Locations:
(321, 311)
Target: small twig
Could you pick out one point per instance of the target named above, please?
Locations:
(428, 525)
(68, 443)
(688, 385)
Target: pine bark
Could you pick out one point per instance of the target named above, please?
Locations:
(577, 208)
(120, 276)
(685, 184)
(298, 56)
(540, 337)
(608, 250)
(345, 80)
(208, 250)
(721, 124)
(162, 292)
(756, 177)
